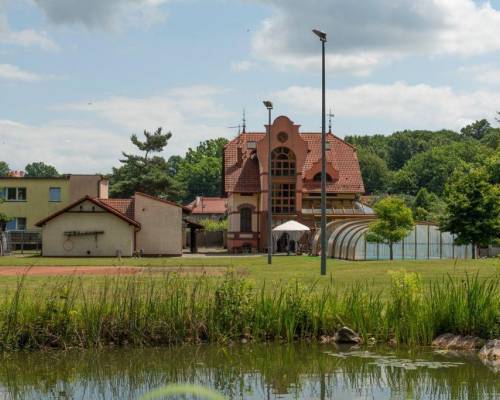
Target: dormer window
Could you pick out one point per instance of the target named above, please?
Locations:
(251, 145)
(317, 177)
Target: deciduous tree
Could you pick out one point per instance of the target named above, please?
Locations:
(4, 168)
(476, 130)
(40, 169)
(374, 171)
(200, 172)
(394, 222)
(472, 206)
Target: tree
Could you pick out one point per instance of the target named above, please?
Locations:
(174, 165)
(394, 222)
(208, 148)
(144, 173)
(427, 206)
(200, 172)
(4, 168)
(40, 169)
(472, 207)
(374, 171)
(492, 166)
(476, 130)
(492, 138)
(432, 168)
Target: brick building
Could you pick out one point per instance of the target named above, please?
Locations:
(296, 172)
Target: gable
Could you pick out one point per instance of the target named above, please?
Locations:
(241, 162)
(88, 205)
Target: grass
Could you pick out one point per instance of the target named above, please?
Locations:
(151, 311)
(375, 274)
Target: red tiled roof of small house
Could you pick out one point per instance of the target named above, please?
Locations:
(208, 205)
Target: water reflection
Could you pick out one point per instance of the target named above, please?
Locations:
(249, 372)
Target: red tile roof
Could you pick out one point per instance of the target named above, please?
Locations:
(97, 202)
(342, 157)
(124, 206)
(245, 177)
(208, 205)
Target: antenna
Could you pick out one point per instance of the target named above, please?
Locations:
(244, 122)
(234, 127)
(330, 116)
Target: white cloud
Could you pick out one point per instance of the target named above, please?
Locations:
(192, 114)
(363, 35)
(13, 73)
(402, 105)
(102, 14)
(242, 66)
(25, 37)
(70, 148)
(485, 74)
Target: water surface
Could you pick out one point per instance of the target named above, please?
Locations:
(266, 371)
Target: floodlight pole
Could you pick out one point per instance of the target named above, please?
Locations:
(269, 107)
(322, 37)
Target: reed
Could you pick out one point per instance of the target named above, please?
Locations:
(152, 311)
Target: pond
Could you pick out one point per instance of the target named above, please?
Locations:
(257, 371)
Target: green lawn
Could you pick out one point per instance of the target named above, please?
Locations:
(292, 268)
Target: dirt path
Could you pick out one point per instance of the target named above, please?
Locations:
(96, 270)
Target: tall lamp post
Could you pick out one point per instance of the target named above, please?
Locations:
(322, 37)
(269, 107)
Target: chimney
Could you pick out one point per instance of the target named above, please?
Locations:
(17, 174)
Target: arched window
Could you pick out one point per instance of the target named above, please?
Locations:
(317, 177)
(283, 162)
(246, 219)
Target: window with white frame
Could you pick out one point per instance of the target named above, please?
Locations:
(55, 194)
(15, 194)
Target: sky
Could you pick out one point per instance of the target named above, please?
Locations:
(77, 78)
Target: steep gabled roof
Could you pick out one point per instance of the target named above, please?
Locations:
(98, 203)
(243, 175)
(342, 157)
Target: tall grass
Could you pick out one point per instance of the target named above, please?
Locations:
(141, 310)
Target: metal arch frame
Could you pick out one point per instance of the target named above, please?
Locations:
(347, 235)
(334, 240)
(356, 237)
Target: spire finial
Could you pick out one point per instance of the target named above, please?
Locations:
(330, 116)
(244, 122)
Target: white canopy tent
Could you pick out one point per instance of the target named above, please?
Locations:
(295, 231)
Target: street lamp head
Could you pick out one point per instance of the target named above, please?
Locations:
(268, 104)
(320, 34)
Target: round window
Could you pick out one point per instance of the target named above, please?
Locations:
(282, 137)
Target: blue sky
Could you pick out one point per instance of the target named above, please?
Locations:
(77, 78)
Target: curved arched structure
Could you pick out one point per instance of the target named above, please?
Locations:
(346, 240)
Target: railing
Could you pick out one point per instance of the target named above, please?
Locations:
(23, 240)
